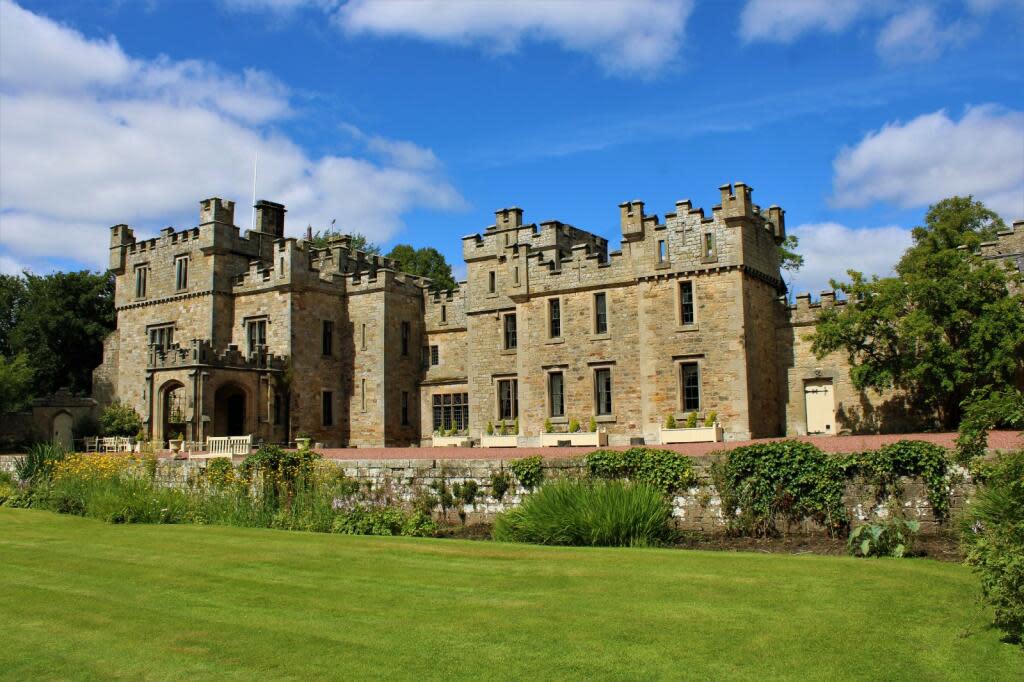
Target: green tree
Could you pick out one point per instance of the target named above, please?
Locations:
(360, 242)
(61, 326)
(946, 326)
(789, 259)
(15, 383)
(12, 301)
(426, 262)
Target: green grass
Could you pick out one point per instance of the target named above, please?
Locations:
(83, 599)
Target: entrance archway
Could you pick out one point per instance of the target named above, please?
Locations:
(229, 414)
(63, 424)
(172, 407)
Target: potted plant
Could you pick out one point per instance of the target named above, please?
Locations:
(450, 438)
(575, 435)
(175, 442)
(303, 440)
(503, 436)
(694, 429)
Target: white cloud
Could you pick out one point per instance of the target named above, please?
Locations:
(915, 35)
(782, 21)
(146, 140)
(625, 36)
(830, 249)
(932, 157)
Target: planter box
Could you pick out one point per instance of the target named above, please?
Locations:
(450, 441)
(698, 434)
(597, 439)
(499, 441)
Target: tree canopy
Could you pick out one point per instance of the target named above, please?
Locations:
(360, 242)
(425, 262)
(52, 328)
(946, 326)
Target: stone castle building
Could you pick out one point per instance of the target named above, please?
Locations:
(225, 333)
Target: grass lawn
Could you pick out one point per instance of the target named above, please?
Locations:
(81, 599)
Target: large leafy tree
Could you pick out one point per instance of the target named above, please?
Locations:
(59, 327)
(425, 262)
(948, 324)
(360, 242)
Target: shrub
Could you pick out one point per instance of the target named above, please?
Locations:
(785, 480)
(711, 419)
(220, 473)
(667, 471)
(984, 410)
(490, 428)
(119, 419)
(574, 425)
(529, 471)
(889, 538)
(548, 428)
(691, 420)
(670, 422)
(992, 533)
(37, 465)
(362, 520)
(500, 483)
(911, 458)
(593, 424)
(589, 513)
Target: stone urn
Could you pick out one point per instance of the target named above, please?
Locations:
(303, 443)
(175, 445)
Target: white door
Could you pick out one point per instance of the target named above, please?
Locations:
(62, 424)
(821, 406)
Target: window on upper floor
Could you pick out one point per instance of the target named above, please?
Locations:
(689, 386)
(362, 344)
(686, 307)
(327, 337)
(555, 318)
(492, 281)
(600, 313)
(161, 336)
(181, 273)
(662, 251)
(510, 331)
(603, 390)
(435, 356)
(256, 334)
(710, 248)
(444, 313)
(406, 335)
(141, 275)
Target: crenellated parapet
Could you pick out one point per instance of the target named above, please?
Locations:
(200, 352)
(805, 312)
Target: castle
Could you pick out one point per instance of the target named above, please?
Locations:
(225, 333)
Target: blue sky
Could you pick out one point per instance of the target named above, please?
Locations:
(412, 121)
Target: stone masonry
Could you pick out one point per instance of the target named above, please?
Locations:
(225, 333)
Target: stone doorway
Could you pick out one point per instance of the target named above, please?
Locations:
(820, 404)
(229, 418)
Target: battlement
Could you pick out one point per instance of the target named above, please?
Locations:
(201, 352)
(805, 311)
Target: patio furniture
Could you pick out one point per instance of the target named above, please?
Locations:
(92, 444)
(225, 446)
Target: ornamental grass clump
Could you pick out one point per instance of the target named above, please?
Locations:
(589, 513)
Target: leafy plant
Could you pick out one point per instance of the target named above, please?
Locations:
(985, 410)
(691, 420)
(593, 424)
(37, 465)
(119, 419)
(500, 483)
(529, 471)
(889, 538)
(992, 533)
(574, 425)
(912, 459)
(490, 428)
(667, 471)
(547, 426)
(589, 513)
(670, 422)
(220, 472)
(710, 419)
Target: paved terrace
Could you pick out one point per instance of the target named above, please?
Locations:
(997, 440)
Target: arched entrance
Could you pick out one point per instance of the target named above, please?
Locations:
(62, 427)
(172, 408)
(229, 414)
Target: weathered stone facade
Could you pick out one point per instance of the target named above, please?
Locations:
(270, 336)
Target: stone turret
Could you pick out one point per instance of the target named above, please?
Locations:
(270, 217)
(120, 237)
(633, 220)
(508, 218)
(736, 204)
(216, 210)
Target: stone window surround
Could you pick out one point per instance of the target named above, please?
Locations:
(680, 327)
(178, 274)
(561, 319)
(594, 334)
(404, 410)
(594, 367)
(150, 328)
(497, 380)
(505, 347)
(707, 257)
(142, 270)
(326, 408)
(327, 338)
(435, 355)
(680, 360)
(562, 369)
(247, 323)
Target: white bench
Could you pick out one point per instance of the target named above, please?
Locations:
(225, 446)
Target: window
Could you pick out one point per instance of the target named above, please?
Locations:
(686, 303)
(555, 318)
(603, 390)
(510, 331)
(709, 245)
(327, 340)
(435, 356)
(444, 313)
(141, 275)
(257, 334)
(406, 333)
(181, 273)
(405, 408)
(492, 281)
(328, 408)
(451, 411)
(362, 345)
(662, 252)
(600, 313)
(362, 395)
(689, 377)
(515, 275)
(556, 394)
(508, 399)
(161, 337)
